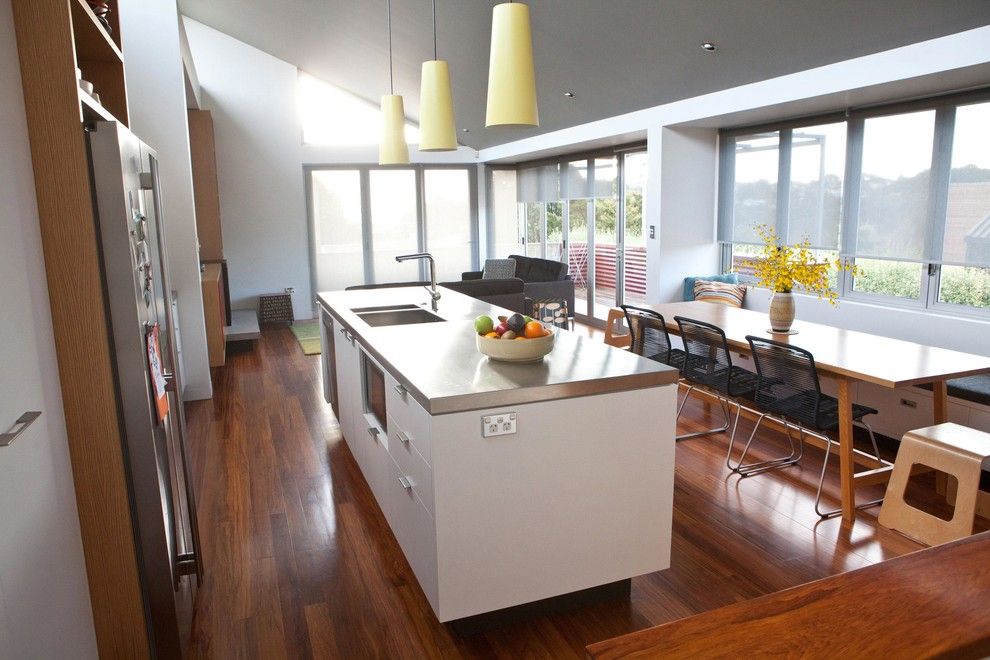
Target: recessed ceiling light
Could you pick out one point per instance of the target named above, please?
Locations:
(569, 95)
(465, 130)
(709, 46)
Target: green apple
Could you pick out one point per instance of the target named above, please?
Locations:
(484, 324)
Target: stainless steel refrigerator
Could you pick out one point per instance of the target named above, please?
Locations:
(131, 227)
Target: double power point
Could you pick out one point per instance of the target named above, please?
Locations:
(498, 424)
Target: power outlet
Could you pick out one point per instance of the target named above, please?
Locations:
(499, 424)
(290, 289)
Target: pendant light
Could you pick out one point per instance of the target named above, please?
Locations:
(511, 75)
(436, 105)
(393, 149)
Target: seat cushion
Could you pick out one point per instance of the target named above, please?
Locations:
(732, 295)
(728, 278)
(499, 269)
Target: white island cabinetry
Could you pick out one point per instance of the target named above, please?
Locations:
(579, 496)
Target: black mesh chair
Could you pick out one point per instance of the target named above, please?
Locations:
(789, 387)
(649, 337)
(708, 364)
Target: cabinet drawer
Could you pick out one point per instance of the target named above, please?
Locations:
(415, 531)
(413, 466)
(411, 416)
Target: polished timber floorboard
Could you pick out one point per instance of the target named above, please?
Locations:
(300, 562)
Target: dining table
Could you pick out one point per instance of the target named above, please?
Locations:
(848, 357)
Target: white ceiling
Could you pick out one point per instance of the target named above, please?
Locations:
(614, 55)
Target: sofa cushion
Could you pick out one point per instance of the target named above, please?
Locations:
(533, 269)
(732, 295)
(970, 388)
(499, 269)
(688, 294)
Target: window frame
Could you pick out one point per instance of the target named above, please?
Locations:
(939, 179)
(364, 170)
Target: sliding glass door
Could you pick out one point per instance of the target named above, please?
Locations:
(587, 212)
(362, 217)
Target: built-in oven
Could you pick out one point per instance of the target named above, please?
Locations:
(374, 391)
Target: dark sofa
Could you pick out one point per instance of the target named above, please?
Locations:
(506, 293)
(543, 279)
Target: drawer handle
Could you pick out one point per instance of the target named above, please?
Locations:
(403, 437)
(373, 432)
(400, 390)
(404, 481)
(20, 426)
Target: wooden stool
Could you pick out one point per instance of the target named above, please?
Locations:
(620, 341)
(953, 449)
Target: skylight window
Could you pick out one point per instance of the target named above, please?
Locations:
(334, 117)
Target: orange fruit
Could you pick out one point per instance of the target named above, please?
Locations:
(519, 337)
(533, 330)
(492, 335)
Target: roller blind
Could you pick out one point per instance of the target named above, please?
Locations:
(966, 237)
(538, 184)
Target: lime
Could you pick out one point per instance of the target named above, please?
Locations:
(483, 325)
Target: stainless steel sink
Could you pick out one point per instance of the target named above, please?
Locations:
(402, 316)
(384, 308)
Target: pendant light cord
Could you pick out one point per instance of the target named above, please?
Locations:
(435, 30)
(388, 9)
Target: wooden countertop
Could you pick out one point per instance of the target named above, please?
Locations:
(931, 603)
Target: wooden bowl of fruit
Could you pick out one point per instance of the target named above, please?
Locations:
(516, 338)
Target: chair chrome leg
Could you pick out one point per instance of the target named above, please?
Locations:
(725, 414)
(751, 469)
(821, 481)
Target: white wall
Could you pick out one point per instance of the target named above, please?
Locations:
(44, 598)
(260, 158)
(686, 222)
(156, 95)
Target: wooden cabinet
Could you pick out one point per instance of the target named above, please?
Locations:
(213, 311)
(206, 189)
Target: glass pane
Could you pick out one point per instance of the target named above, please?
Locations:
(967, 221)
(337, 242)
(901, 279)
(893, 205)
(754, 199)
(577, 258)
(447, 198)
(634, 277)
(960, 285)
(742, 257)
(555, 233)
(534, 229)
(393, 225)
(507, 236)
(605, 204)
(818, 161)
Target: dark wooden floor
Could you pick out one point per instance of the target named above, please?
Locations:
(300, 562)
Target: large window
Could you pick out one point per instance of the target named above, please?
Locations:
(914, 214)
(362, 217)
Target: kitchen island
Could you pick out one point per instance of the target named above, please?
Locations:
(504, 484)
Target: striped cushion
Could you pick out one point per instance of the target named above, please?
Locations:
(718, 292)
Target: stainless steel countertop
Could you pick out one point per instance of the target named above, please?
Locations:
(439, 364)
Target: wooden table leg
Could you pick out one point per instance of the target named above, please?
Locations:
(847, 465)
(940, 399)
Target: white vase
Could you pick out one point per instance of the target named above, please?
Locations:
(781, 312)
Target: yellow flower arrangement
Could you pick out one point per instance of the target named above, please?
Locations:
(781, 267)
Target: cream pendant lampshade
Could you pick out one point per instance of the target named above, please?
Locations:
(436, 105)
(392, 150)
(436, 109)
(511, 75)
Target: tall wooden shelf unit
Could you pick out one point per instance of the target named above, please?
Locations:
(53, 38)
